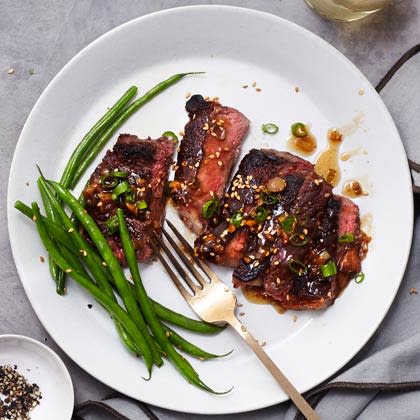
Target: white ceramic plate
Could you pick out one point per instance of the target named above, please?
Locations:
(234, 47)
(40, 365)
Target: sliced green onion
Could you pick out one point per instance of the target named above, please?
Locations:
(112, 179)
(121, 188)
(329, 269)
(297, 267)
(141, 205)
(299, 239)
(288, 224)
(236, 219)
(112, 225)
(299, 129)
(269, 128)
(210, 208)
(359, 277)
(171, 135)
(269, 199)
(261, 214)
(130, 197)
(347, 238)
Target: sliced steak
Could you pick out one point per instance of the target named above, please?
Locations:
(290, 228)
(207, 153)
(144, 166)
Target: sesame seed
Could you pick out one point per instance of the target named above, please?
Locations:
(187, 95)
(100, 204)
(11, 70)
(239, 305)
(220, 163)
(211, 156)
(241, 313)
(226, 149)
(181, 133)
(217, 154)
(244, 86)
(41, 258)
(34, 218)
(258, 89)
(69, 270)
(294, 318)
(297, 89)
(254, 84)
(197, 164)
(104, 264)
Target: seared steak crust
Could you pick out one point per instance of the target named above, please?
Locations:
(207, 153)
(146, 163)
(283, 260)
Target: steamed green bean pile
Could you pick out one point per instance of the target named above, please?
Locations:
(140, 322)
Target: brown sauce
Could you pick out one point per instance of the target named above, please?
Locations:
(326, 164)
(353, 188)
(302, 145)
(257, 295)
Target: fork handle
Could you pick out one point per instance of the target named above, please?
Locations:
(278, 375)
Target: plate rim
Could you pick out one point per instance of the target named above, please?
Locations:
(277, 20)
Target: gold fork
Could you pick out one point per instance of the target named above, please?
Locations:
(214, 302)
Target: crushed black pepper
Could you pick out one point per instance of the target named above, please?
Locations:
(17, 396)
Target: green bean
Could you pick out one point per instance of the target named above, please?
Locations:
(78, 240)
(164, 313)
(117, 312)
(189, 347)
(94, 265)
(183, 366)
(113, 265)
(57, 274)
(183, 321)
(104, 122)
(122, 117)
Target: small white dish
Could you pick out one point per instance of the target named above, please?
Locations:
(40, 365)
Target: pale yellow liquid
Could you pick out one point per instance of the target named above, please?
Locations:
(347, 10)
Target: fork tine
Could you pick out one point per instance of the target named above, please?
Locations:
(194, 288)
(209, 272)
(186, 261)
(169, 270)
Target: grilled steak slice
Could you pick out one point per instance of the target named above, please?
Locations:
(141, 171)
(207, 153)
(289, 239)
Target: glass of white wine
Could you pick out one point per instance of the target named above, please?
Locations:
(347, 10)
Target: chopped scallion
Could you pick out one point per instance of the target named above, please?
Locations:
(346, 238)
(141, 205)
(236, 219)
(299, 129)
(210, 208)
(359, 277)
(288, 224)
(121, 188)
(329, 269)
(261, 214)
(269, 128)
(171, 135)
(112, 224)
(297, 267)
(299, 239)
